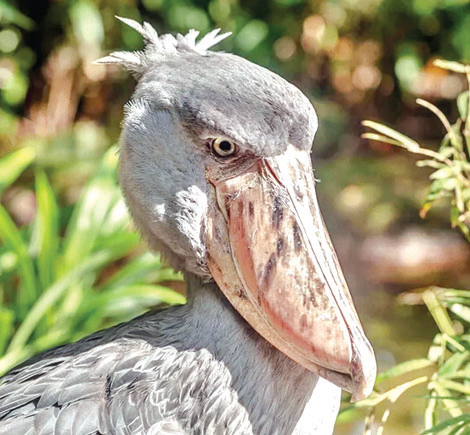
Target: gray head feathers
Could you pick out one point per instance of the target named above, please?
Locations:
(157, 47)
(185, 96)
(215, 93)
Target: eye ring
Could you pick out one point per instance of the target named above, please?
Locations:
(223, 147)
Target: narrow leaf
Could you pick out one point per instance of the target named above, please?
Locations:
(45, 237)
(12, 239)
(390, 132)
(453, 363)
(13, 164)
(402, 368)
(463, 311)
(442, 173)
(462, 104)
(446, 424)
(451, 66)
(7, 317)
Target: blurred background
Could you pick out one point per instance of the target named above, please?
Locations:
(356, 60)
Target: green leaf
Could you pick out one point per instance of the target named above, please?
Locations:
(455, 137)
(251, 35)
(139, 270)
(457, 429)
(463, 311)
(453, 363)
(402, 368)
(10, 14)
(405, 141)
(45, 237)
(442, 173)
(462, 104)
(447, 184)
(438, 313)
(13, 164)
(430, 163)
(465, 166)
(12, 239)
(454, 216)
(86, 23)
(458, 374)
(455, 386)
(451, 66)
(123, 300)
(447, 151)
(449, 404)
(89, 215)
(465, 230)
(7, 317)
(54, 293)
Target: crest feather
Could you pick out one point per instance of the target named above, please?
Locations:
(157, 47)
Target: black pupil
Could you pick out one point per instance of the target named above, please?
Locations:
(225, 146)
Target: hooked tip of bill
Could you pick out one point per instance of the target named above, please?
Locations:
(364, 374)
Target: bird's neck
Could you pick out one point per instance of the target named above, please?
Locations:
(266, 381)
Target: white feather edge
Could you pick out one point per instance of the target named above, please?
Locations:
(163, 45)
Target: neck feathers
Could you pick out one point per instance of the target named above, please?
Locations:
(279, 395)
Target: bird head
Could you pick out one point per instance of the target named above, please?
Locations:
(216, 171)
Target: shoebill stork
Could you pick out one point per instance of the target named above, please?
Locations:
(216, 171)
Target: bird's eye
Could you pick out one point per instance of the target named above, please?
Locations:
(223, 147)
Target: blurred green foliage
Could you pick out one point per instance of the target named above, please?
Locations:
(59, 284)
(447, 365)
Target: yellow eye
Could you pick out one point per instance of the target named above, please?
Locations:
(223, 147)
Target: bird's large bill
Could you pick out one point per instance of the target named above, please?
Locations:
(271, 255)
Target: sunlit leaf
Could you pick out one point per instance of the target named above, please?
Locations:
(465, 230)
(251, 35)
(447, 424)
(13, 164)
(462, 311)
(402, 368)
(451, 66)
(10, 14)
(390, 132)
(442, 173)
(447, 151)
(122, 300)
(462, 104)
(455, 386)
(45, 237)
(454, 216)
(86, 22)
(7, 317)
(140, 269)
(430, 163)
(458, 429)
(453, 363)
(89, 215)
(12, 239)
(51, 295)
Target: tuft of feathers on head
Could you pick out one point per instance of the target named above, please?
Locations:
(157, 47)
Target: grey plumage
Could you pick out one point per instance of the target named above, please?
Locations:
(198, 368)
(173, 371)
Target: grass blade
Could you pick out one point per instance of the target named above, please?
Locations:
(13, 164)
(447, 424)
(405, 367)
(45, 238)
(89, 214)
(407, 142)
(7, 318)
(12, 239)
(145, 268)
(52, 295)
